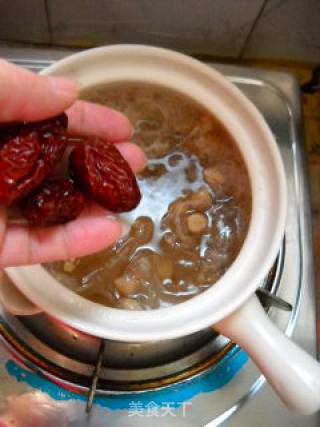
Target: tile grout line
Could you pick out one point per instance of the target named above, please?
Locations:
(46, 8)
(253, 27)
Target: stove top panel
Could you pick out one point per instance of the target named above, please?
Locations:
(232, 392)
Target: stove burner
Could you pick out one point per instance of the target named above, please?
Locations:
(88, 364)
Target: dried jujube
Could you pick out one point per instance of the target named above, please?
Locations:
(56, 202)
(102, 172)
(29, 154)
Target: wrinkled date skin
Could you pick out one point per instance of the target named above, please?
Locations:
(56, 202)
(28, 154)
(104, 175)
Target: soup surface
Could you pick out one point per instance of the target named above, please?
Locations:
(194, 213)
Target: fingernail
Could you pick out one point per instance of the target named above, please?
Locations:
(125, 228)
(132, 131)
(63, 86)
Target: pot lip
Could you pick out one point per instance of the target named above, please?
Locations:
(203, 310)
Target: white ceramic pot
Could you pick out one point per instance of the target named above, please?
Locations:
(230, 305)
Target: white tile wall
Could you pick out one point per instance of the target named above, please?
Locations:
(216, 27)
(287, 29)
(24, 21)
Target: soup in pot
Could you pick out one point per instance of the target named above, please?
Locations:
(194, 213)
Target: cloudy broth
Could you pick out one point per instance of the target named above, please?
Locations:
(195, 210)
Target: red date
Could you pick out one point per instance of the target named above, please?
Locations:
(28, 154)
(56, 202)
(54, 125)
(105, 176)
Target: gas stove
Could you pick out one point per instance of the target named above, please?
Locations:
(56, 375)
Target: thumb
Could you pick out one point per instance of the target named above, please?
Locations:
(28, 96)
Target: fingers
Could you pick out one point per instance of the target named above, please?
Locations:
(28, 96)
(133, 155)
(91, 232)
(86, 118)
(83, 236)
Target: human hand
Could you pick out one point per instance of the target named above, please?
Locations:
(30, 97)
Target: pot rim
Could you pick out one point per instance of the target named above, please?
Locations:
(269, 201)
